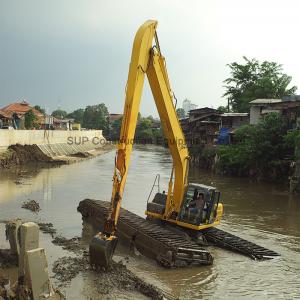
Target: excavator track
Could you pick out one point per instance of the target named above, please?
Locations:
(152, 240)
(223, 239)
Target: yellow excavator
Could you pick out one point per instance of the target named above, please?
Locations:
(174, 206)
(191, 208)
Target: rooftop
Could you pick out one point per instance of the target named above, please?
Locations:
(114, 117)
(234, 115)
(265, 101)
(200, 109)
(20, 108)
(5, 114)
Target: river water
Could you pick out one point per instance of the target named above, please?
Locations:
(260, 212)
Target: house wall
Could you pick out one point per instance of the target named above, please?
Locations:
(254, 114)
(49, 137)
(239, 121)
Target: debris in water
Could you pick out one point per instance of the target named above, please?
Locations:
(74, 244)
(31, 205)
(47, 228)
(66, 268)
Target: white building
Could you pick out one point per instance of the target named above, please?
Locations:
(187, 105)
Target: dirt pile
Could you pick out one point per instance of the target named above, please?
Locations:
(7, 259)
(22, 154)
(66, 268)
(31, 205)
(81, 154)
(47, 228)
(74, 244)
(118, 278)
(3, 281)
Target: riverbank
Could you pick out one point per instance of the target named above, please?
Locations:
(17, 155)
(265, 151)
(118, 279)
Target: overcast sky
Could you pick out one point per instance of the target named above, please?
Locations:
(73, 53)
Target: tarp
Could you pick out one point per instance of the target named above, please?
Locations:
(223, 138)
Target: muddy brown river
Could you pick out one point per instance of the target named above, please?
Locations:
(260, 212)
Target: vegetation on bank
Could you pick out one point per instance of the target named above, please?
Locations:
(148, 130)
(264, 150)
(91, 117)
(31, 120)
(97, 117)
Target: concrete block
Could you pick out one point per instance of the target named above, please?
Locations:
(36, 274)
(29, 240)
(11, 229)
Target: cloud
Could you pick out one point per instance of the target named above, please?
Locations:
(72, 53)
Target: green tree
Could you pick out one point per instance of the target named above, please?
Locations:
(30, 119)
(96, 117)
(59, 114)
(180, 113)
(292, 143)
(77, 115)
(222, 109)
(253, 80)
(41, 110)
(147, 131)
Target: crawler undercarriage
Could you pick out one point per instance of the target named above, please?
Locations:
(170, 248)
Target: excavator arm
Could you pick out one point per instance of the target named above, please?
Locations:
(145, 59)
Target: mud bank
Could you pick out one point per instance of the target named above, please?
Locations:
(115, 280)
(118, 280)
(25, 154)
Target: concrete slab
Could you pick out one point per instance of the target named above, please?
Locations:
(29, 240)
(37, 276)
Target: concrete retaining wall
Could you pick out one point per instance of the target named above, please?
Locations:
(53, 142)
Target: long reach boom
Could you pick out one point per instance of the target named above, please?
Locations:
(145, 59)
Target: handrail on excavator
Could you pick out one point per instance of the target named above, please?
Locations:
(157, 178)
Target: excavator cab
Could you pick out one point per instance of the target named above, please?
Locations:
(200, 205)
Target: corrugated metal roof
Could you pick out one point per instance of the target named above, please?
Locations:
(265, 101)
(234, 115)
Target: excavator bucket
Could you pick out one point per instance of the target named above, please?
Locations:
(102, 248)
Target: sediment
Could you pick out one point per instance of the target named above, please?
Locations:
(23, 154)
(48, 154)
(117, 279)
